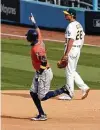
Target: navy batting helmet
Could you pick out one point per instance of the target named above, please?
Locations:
(32, 35)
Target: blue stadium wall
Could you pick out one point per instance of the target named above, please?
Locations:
(46, 15)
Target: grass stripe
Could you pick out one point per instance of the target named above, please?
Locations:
(17, 79)
(22, 48)
(12, 86)
(16, 76)
(24, 63)
(85, 49)
(89, 60)
(16, 61)
(17, 71)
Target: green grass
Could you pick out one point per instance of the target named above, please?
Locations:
(17, 71)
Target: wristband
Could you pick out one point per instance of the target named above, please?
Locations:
(35, 25)
(42, 67)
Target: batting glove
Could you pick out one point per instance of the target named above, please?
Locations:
(32, 18)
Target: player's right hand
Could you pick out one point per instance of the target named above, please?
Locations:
(32, 18)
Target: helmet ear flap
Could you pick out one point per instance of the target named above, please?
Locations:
(29, 37)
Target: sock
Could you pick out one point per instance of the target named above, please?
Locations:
(53, 94)
(37, 102)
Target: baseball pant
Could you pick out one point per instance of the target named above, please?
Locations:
(71, 74)
(42, 86)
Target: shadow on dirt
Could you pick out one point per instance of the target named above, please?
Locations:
(18, 94)
(28, 96)
(13, 117)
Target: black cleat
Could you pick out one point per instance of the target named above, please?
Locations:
(65, 89)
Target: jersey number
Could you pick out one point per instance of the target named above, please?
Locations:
(79, 35)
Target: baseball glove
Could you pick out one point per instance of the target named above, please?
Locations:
(62, 64)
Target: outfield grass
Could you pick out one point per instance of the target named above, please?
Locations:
(17, 71)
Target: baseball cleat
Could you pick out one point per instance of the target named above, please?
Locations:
(85, 93)
(65, 89)
(40, 118)
(64, 97)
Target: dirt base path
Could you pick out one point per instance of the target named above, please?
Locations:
(18, 108)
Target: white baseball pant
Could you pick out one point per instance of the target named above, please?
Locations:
(71, 74)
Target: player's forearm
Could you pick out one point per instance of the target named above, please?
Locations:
(38, 30)
(35, 26)
(39, 34)
(69, 46)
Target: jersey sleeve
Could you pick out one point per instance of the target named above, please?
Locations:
(71, 32)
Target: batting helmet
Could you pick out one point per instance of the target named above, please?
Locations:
(32, 35)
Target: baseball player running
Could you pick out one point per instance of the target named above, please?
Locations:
(41, 82)
(74, 39)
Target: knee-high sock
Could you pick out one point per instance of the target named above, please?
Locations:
(51, 94)
(37, 102)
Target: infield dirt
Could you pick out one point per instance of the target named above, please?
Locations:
(18, 108)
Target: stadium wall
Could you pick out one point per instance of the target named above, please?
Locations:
(46, 15)
(92, 22)
(10, 11)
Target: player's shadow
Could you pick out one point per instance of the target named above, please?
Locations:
(77, 99)
(28, 96)
(17, 118)
(18, 94)
(13, 117)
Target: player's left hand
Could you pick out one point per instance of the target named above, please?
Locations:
(62, 64)
(65, 57)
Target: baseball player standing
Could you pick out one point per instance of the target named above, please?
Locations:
(74, 39)
(41, 82)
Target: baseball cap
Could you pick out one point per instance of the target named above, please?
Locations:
(70, 12)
